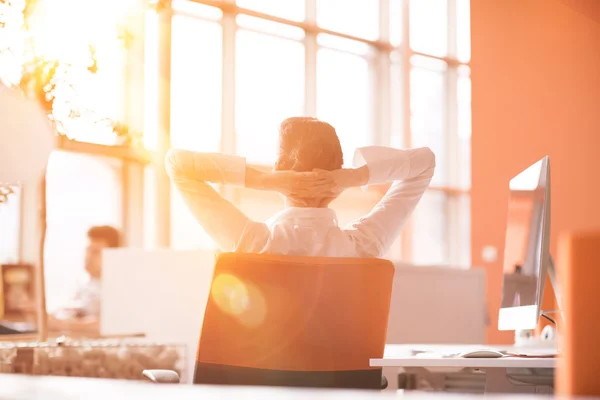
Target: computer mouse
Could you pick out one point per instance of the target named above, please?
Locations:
(482, 354)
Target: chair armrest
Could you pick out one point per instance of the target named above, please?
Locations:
(161, 375)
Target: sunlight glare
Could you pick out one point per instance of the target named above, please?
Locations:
(243, 301)
(230, 294)
(61, 27)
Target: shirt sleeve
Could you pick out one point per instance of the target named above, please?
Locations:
(229, 227)
(410, 172)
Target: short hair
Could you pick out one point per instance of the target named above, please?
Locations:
(306, 143)
(109, 234)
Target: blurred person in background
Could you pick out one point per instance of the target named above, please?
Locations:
(309, 174)
(81, 316)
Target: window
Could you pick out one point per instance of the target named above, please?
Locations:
(196, 84)
(81, 191)
(289, 9)
(84, 100)
(196, 65)
(342, 16)
(343, 97)
(429, 27)
(464, 126)
(430, 226)
(399, 79)
(266, 91)
(428, 112)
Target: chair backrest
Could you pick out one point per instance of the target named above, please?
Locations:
(578, 276)
(295, 321)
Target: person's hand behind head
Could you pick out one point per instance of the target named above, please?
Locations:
(343, 179)
(298, 185)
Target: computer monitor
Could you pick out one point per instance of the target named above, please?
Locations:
(527, 259)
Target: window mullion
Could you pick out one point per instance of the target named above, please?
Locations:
(453, 231)
(407, 234)
(228, 144)
(384, 20)
(133, 172)
(133, 196)
(228, 128)
(310, 61)
(452, 31)
(380, 92)
(163, 184)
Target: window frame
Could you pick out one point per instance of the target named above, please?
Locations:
(380, 67)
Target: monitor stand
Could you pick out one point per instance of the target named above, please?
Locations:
(557, 291)
(548, 337)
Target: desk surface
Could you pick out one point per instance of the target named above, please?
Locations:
(397, 355)
(20, 387)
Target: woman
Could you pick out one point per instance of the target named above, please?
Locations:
(309, 174)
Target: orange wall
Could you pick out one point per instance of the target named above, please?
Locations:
(536, 92)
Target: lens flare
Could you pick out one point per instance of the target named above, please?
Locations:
(241, 300)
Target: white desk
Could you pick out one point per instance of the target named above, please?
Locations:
(57, 388)
(438, 358)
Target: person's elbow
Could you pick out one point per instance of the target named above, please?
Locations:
(426, 162)
(429, 157)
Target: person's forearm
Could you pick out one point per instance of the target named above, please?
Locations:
(205, 167)
(255, 179)
(361, 175)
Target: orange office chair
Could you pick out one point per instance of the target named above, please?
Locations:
(293, 321)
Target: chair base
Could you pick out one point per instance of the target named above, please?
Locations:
(230, 375)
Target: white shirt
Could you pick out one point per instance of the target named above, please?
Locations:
(303, 231)
(86, 301)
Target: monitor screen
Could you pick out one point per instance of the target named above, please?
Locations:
(522, 249)
(525, 250)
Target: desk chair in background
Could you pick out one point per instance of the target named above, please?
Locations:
(293, 321)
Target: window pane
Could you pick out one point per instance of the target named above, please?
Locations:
(429, 27)
(345, 45)
(95, 98)
(265, 26)
(10, 221)
(196, 91)
(269, 88)
(186, 233)
(428, 119)
(196, 84)
(82, 191)
(460, 231)
(342, 16)
(397, 113)
(84, 100)
(192, 8)
(430, 226)
(463, 30)
(343, 98)
(288, 9)
(151, 80)
(396, 19)
(464, 126)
